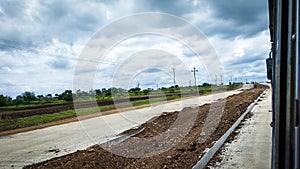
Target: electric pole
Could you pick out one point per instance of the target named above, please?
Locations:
(216, 80)
(174, 76)
(221, 80)
(195, 70)
(138, 88)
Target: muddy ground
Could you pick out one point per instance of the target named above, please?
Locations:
(211, 122)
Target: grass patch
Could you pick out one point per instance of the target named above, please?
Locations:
(34, 120)
(140, 102)
(154, 100)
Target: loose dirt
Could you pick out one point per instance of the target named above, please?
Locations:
(212, 121)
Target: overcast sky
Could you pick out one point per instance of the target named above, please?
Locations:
(41, 43)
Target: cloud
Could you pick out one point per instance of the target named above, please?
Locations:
(43, 21)
(239, 11)
(41, 41)
(231, 19)
(5, 69)
(175, 7)
(152, 70)
(60, 64)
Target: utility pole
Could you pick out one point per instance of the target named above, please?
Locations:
(216, 80)
(174, 76)
(221, 80)
(195, 70)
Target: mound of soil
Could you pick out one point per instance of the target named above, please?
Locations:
(212, 121)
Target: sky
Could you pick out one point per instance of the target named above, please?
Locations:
(44, 44)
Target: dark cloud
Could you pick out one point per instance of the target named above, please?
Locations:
(236, 18)
(241, 12)
(175, 7)
(13, 9)
(232, 30)
(152, 70)
(46, 20)
(60, 64)
(68, 21)
(226, 18)
(245, 60)
(11, 45)
(254, 68)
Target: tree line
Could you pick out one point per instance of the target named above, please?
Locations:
(68, 95)
(28, 97)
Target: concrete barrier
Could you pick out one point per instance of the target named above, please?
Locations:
(121, 138)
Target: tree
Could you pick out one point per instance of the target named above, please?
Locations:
(135, 91)
(107, 93)
(8, 100)
(205, 84)
(49, 95)
(40, 96)
(117, 92)
(28, 96)
(92, 92)
(146, 91)
(171, 89)
(3, 100)
(18, 100)
(66, 95)
(19, 97)
(98, 92)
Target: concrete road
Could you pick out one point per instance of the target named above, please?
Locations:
(253, 146)
(42, 144)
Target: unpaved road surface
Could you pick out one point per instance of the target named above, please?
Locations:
(42, 144)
